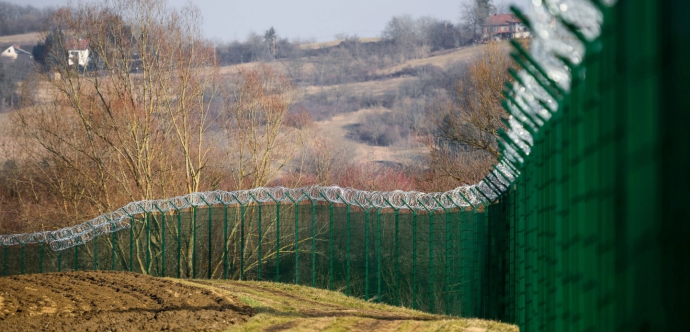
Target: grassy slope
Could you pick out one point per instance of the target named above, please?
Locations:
(364, 153)
(281, 307)
(23, 39)
(312, 46)
(443, 61)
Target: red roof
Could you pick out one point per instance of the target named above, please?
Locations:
(501, 19)
(81, 44)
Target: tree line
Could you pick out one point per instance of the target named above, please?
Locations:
(18, 19)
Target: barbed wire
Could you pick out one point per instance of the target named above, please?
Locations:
(562, 30)
(462, 197)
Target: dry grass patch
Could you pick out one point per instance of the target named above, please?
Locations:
(313, 46)
(461, 55)
(284, 307)
(373, 88)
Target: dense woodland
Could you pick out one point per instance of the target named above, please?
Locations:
(142, 124)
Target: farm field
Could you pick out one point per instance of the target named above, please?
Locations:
(119, 301)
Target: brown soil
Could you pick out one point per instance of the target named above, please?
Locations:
(113, 301)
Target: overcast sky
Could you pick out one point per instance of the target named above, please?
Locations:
(227, 20)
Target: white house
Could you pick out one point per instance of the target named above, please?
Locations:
(504, 26)
(14, 51)
(78, 51)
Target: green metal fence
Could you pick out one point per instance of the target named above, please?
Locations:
(593, 235)
(429, 260)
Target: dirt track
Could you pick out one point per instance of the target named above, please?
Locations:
(113, 301)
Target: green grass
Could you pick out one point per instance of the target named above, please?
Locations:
(284, 307)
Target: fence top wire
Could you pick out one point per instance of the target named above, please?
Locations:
(563, 31)
(67, 237)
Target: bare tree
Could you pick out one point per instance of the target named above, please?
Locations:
(407, 33)
(132, 124)
(255, 111)
(468, 121)
(473, 14)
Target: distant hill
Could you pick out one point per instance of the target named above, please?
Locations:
(313, 46)
(26, 39)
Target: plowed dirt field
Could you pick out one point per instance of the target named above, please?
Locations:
(120, 301)
(113, 301)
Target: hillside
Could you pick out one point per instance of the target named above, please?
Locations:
(338, 128)
(313, 46)
(442, 60)
(339, 125)
(23, 39)
(119, 301)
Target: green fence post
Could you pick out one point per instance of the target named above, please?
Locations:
(22, 263)
(148, 243)
(131, 239)
(194, 242)
(378, 251)
(162, 242)
(210, 238)
(76, 258)
(95, 247)
(210, 235)
(464, 273)
(40, 259)
(260, 233)
(95, 251)
(480, 267)
(179, 241)
(330, 242)
(225, 237)
(313, 239)
(348, 277)
(241, 236)
(4, 260)
(447, 255)
(414, 255)
(366, 249)
(296, 202)
(113, 240)
(193, 237)
(378, 254)
(277, 236)
(397, 252)
(162, 239)
(431, 256)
